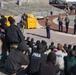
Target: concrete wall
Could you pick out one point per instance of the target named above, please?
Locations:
(32, 1)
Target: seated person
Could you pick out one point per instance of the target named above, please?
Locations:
(51, 46)
(35, 59)
(16, 59)
(70, 60)
(49, 67)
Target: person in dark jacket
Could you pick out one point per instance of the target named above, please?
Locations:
(13, 34)
(70, 60)
(44, 43)
(35, 59)
(3, 27)
(16, 59)
(49, 67)
(28, 40)
(31, 43)
(51, 46)
(69, 48)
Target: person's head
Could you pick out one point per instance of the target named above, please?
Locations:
(65, 45)
(73, 51)
(51, 57)
(39, 47)
(52, 43)
(74, 47)
(69, 46)
(37, 42)
(2, 16)
(3, 21)
(11, 20)
(43, 42)
(32, 39)
(28, 38)
(23, 46)
(60, 47)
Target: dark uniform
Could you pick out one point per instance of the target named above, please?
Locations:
(48, 24)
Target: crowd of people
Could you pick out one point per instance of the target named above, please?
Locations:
(24, 56)
(60, 60)
(40, 59)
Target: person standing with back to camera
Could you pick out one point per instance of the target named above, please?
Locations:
(48, 24)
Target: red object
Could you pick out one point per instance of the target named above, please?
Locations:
(55, 50)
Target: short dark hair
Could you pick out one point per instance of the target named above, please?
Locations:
(32, 39)
(52, 43)
(74, 47)
(69, 46)
(3, 20)
(11, 20)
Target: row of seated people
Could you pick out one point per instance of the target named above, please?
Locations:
(56, 62)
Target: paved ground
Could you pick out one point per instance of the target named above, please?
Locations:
(56, 37)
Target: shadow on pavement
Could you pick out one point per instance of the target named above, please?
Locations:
(37, 35)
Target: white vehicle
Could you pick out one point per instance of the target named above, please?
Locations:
(70, 1)
(61, 1)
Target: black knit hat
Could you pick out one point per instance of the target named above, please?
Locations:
(51, 57)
